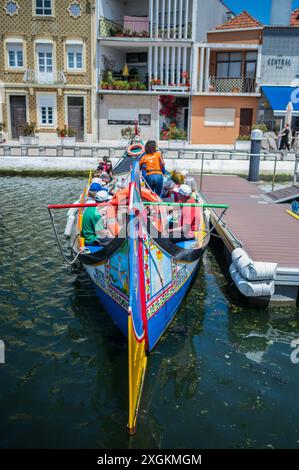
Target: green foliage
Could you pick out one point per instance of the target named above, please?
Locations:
(173, 133)
(29, 129)
(244, 137)
(261, 127)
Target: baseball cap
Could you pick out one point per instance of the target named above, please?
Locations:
(95, 187)
(102, 196)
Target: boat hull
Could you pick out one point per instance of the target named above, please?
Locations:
(161, 308)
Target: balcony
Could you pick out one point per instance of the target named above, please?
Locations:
(232, 85)
(142, 27)
(35, 77)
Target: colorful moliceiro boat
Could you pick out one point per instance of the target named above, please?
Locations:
(141, 276)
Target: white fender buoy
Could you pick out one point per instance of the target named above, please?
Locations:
(251, 270)
(264, 288)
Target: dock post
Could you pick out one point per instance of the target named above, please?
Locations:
(296, 172)
(255, 155)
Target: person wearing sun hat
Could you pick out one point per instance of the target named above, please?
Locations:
(93, 224)
(189, 216)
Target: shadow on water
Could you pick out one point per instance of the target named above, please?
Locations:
(220, 377)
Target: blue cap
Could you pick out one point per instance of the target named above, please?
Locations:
(95, 187)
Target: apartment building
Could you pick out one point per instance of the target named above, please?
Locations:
(225, 101)
(280, 69)
(147, 59)
(47, 66)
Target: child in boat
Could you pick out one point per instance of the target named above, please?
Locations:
(94, 230)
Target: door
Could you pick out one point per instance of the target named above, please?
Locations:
(246, 117)
(45, 63)
(76, 116)
(17, 115)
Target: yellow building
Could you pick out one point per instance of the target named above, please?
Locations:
(47, 66)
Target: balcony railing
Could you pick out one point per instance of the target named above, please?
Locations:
(57, 77)
(135, 27)
(232, 85)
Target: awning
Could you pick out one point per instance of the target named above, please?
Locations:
(280, 96)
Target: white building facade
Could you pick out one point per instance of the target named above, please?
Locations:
(147, 61)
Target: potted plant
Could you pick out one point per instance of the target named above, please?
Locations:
(174, 134)
(28, 136)
(2, 133)
(67, 136)
(243, 143)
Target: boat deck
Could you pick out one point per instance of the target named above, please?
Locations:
(264, 230)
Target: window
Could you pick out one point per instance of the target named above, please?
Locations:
(46, 110)
(250, 64)
(75, 57)
(229, 64)
(220, 117)
(43, 7)
(15, 55)
(11, 8)
(74, 9)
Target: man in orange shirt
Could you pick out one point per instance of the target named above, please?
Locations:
(153, 166)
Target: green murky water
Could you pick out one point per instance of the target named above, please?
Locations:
(221, 377)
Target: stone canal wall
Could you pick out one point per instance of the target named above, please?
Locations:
(74, 164)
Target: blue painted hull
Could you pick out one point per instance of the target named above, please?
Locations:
(159, 321)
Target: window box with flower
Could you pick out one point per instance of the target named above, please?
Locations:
(67, 136)
(28, 136)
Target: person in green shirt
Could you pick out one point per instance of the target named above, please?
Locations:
(93, 224)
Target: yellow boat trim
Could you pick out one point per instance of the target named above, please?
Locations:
(137, 367)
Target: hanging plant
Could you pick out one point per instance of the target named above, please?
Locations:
(169, 108)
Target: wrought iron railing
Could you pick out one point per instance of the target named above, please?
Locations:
(232, 85)
(57, 77)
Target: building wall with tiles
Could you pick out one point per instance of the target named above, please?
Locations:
(58, 28)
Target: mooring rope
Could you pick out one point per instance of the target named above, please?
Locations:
(69, 263)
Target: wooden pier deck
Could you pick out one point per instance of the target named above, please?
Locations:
(264, 231)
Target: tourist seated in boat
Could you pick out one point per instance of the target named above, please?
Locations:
(108, 168)
(153, 167)
(169, 188)
(188, 217)
(95, 187)
(94, 226)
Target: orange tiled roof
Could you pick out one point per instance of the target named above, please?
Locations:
(243, 20)
(295, 18)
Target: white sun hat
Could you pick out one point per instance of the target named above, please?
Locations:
(102, 196)
(184, 190)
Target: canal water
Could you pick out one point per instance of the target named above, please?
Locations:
(221, 377)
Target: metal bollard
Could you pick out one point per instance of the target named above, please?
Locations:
(255, 157)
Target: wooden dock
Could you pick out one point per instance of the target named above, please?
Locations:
(265, 231)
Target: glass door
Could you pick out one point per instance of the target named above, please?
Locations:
(45, 63)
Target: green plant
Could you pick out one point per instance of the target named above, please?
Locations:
(173, 133)
(244, 137)
(127, 133)
(2, 127)
(120, 85)
(261, 127)
(29, 129)
(65, 131)
(133, 72)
